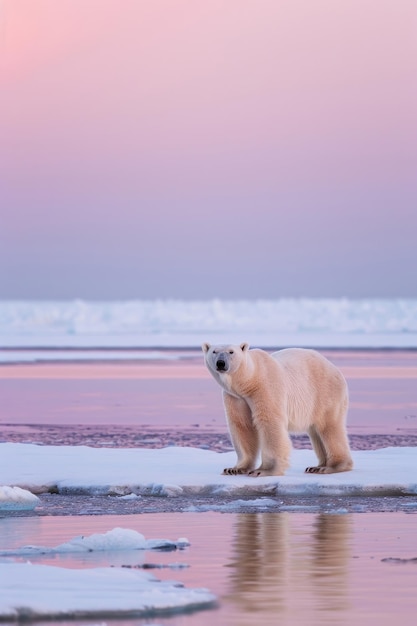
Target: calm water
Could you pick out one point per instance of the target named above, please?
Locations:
(266, 568)
(181, 393)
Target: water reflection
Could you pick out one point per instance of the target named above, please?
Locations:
(279, 565)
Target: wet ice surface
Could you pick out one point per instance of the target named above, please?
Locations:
(57, 505)
(144, 436)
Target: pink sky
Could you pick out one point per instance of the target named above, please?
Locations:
(185, 148)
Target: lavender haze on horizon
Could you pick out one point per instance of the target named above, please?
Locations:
(194, 149)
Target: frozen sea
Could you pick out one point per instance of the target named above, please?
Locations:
(106, 406)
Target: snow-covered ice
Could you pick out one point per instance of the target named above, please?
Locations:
(16, 499)
(31, 591)
(176, 471)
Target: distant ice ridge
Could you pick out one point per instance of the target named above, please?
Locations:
(178, 323)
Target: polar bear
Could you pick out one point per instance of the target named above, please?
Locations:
(266, 396)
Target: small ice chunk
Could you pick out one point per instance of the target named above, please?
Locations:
(130, 496)
(116, 539)
(17, 499)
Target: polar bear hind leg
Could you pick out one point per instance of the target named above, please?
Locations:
(332, 448)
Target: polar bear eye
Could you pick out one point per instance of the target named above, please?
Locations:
(214, 351)
(231, 351)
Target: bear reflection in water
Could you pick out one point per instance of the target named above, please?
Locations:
(284, 562)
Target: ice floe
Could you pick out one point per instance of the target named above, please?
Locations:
(33, 591)
(30, 591)
(176, 471)
(116, 539)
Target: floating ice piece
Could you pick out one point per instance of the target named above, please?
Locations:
(259, 504)
(299, 507)
(17, 499)
(45, 592)
(116, 539)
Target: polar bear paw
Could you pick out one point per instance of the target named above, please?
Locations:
(233, 471)
(317, 469)
(258, 472)
(345, 465)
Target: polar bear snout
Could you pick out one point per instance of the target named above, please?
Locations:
(221, 363)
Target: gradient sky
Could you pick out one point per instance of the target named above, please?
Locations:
(199, 149)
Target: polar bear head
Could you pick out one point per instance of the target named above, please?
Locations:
(224, 359)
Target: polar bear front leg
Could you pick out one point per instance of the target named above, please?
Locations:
(243, 434)
(275, 444)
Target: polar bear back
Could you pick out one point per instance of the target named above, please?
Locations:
(315, 389)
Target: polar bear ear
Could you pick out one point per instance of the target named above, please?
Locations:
(244, 346)
(205, 347)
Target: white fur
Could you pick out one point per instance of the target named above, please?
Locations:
(266, 396)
